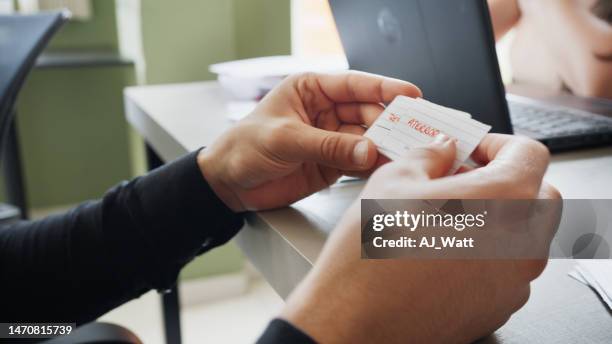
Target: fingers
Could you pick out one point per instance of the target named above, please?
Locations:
(489, 147)
(431, 162)
(362, 87)
(344, 151)
(511, 160)
(352, 129)
(514, 169)
(359, 113)
(517, 150)
(548, 207)
(380, 161)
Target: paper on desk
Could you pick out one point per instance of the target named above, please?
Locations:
(251, 79)
(597, 274)
(278, 66)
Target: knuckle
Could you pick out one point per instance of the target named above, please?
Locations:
(277, 133)
(304, 80)
(522, 298)
(330, 147)
(306, 76)
(536, 150)
(401, 169)
(532, 268)
(540, 150)
(551, 192)
(307, 86)
(554, 193)
(526, 191)
(351, 79)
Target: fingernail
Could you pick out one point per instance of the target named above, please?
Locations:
(440, 139)
(360, 153)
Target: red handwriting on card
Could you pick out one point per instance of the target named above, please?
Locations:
(423, 128)
(393, 118)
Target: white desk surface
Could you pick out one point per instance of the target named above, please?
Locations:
(283, 244)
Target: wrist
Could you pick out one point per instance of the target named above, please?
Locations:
(322, 307)
(209, 167)
(328, 314)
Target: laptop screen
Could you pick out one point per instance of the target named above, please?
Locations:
(444, 47)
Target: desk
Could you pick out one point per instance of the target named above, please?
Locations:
(283, 244)
(80, 59)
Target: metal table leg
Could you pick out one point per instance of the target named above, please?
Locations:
(170, 299)
(13, 173)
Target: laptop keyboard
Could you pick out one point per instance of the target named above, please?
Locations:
(550, 121)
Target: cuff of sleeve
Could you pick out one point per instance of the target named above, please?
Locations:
(180, 217)
(281, 331)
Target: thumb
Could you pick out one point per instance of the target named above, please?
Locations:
(338, 150)
(431, 161)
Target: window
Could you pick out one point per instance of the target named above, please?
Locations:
(80, 9)
(313, 31)
(6, 7)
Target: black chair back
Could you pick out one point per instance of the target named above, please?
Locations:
(22, 39)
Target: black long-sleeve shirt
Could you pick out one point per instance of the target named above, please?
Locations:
(76, 266)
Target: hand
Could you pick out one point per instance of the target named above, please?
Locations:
(346, 299)
(300, 139)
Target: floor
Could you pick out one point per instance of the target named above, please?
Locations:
(237, 319)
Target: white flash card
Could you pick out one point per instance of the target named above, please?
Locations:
(410, 123)
(443, 109)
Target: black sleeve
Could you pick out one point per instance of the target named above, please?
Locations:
(280, 331)
(76, 266)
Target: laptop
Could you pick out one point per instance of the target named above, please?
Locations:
(447, 48)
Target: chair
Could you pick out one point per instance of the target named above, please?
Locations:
(22, 39)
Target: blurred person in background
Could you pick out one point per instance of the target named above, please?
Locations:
(560, 44)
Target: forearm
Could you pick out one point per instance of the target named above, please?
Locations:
(504, 15)
(77, 266)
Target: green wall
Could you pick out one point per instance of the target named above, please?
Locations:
(262, 27)
(180, 42)
(75, 140)
(73, 133)
(98, 33)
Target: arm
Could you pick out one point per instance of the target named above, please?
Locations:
(77, 266)
(309, 147)
(348, 299)
(302, 137)
(504, 15)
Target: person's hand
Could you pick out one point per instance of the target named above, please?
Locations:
(346, 299)
(301, 138)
